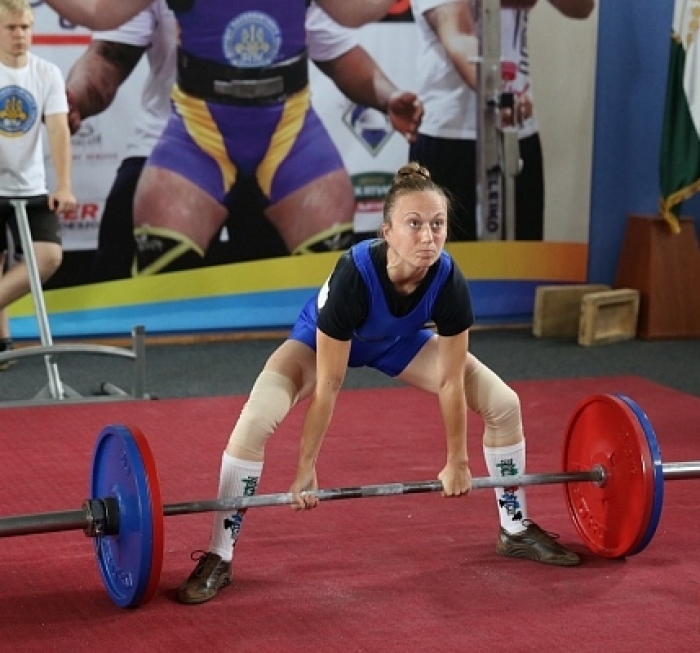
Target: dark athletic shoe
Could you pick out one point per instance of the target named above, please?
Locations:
(535, 544)
(6, 345)
(208, 577)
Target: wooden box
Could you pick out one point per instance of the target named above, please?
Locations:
(609, 316)
(558, 309)
(665, 268)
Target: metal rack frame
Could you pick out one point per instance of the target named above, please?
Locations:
(56, 389)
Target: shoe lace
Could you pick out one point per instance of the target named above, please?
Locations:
(207, 562)
(538, 531)
(198, 554)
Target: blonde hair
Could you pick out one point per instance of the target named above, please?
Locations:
(411, 178)
(15, 6)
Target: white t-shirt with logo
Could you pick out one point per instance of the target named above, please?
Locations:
(27, 94)
(450, 105)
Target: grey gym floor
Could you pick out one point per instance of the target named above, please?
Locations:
(223, 365)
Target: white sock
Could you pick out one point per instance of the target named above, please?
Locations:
(239, 478)
(512, 506)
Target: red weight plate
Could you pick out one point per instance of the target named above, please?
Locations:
(613, 518)
(158, 521)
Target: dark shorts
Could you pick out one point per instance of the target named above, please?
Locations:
(43, 222)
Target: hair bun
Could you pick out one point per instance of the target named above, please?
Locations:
(411, 169)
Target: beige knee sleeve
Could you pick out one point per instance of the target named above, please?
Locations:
(271, 398)
(498, 404)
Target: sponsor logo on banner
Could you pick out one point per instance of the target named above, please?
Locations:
(88, 145)
(81, 225)
(370, 190)
(371, 127)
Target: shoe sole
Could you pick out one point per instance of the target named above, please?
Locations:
(526, 553)
(225, 580)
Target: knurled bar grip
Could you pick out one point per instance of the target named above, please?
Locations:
(68, 520)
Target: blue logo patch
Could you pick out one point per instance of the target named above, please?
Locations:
(18, 111)
(252, 40)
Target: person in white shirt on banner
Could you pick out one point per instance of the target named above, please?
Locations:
(32, 92)
(96, 77)
(446, 142)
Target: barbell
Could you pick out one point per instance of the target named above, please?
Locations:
(612, 474)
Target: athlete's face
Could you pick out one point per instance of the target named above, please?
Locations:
(15, 34)
(418, 228)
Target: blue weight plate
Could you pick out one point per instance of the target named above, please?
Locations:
(658, 473)
(130, 562)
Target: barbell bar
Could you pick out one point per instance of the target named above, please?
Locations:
(612, 475)
(88, 518)
(95, 521)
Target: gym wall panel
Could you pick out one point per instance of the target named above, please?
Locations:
(633, 48)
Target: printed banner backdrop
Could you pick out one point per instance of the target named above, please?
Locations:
(99, 146)
(267, 294)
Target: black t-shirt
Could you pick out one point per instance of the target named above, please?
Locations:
(347, 304)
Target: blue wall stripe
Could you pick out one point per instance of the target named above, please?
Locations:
(494, 302)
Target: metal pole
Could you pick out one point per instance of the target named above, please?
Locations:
(489, 169)
(49, 522)
(55, 385)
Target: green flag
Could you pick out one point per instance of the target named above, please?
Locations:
(680, 142)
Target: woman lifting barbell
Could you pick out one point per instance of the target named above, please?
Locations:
(372, 312)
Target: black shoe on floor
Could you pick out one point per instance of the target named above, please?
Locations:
(535, 544)
(6, 345)
(208, 577)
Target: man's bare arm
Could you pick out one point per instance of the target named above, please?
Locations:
(98, 14)
(574, 8)
(354, 13)
(61, 199)
(570, 8)
(358, 76)
(454, 26)
(95, 78)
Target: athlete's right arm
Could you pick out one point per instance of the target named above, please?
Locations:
(95, 78)
(98, 14)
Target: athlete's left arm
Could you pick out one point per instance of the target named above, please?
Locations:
(451, 364)
(359, 77)
(58, 136)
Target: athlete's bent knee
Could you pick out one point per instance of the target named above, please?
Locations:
(271, 398)
(497, 403)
